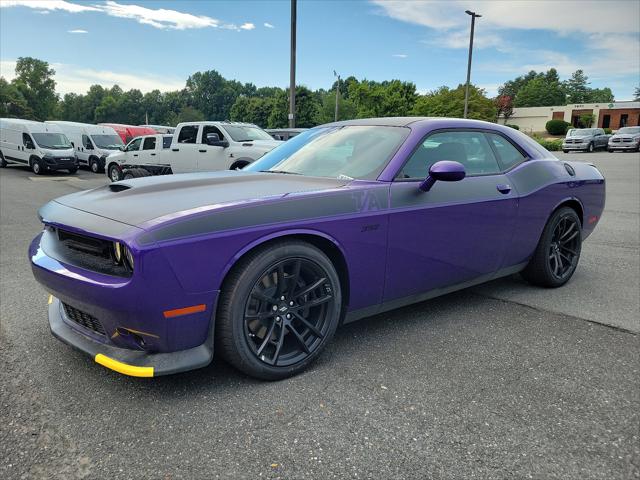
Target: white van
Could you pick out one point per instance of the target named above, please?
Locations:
(92, 143)
(39, 145)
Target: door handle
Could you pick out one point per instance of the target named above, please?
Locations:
(135, 154)
(153, 154)
(504, 188)
(202, 151)
(175, 149)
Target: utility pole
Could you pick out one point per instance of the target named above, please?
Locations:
(292, 73)
(337, 93)
(474, 15)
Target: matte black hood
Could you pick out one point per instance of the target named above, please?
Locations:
(135, 202)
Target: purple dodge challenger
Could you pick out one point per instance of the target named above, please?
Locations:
(344, 221)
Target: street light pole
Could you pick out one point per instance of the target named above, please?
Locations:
(337, 93)
(292, 73)
(466, 93)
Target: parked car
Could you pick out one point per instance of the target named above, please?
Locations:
(41, 146)
(625, 139)
(129, 132)
(194, 147)
(92, 143)
(585, 139)
(149, 153)
(284, 134)
(344, 221)
(160, 128)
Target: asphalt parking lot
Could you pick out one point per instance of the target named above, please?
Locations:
(501, 381)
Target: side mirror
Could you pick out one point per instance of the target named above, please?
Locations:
(213, 140)
(445, 171)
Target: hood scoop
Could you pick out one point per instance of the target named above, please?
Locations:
(119, 187)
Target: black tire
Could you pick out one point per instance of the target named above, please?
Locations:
(252, 312)
(590, 148)
(36, 166)
(565, 151)
(135, 173)
(94, 165)
(3, 162)
(558, 252)
(239, 165)
(115, 172)
(73, 170)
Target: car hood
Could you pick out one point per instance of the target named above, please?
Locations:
(137, 202)
(626, 135)
(578, 137)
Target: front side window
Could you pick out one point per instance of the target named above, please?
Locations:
(107, 142)
(54, 141)
(471, 149)
(207, 129)
(509, 155)
(336, 152)
(86, 142)
(149, 143)
(188, 134)
(134, 144)
(27, 141)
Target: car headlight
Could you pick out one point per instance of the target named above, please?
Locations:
(122, 255)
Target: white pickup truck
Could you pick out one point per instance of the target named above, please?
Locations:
(194, 147)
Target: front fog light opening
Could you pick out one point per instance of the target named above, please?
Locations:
(117, 252)
(122, 255)
(128, 258)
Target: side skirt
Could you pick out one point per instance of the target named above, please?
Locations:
(436, 292)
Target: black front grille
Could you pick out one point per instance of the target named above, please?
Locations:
(84, 319)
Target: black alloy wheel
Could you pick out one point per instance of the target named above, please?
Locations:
(285, 317)
(564, 248)
(279, 307)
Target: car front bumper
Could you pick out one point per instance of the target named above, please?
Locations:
(575, 146)
(623, 146)
(135, 363)
(59, 164)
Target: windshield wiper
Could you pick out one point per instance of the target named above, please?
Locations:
(280, 171)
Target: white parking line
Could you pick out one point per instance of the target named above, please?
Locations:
(57, 179)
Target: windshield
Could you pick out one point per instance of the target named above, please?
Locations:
(54, 141)
(581, 132)
(242, 133)
(629, 130)
(338, 152)
(108, 142)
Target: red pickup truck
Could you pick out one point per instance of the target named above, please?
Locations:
(128, 132)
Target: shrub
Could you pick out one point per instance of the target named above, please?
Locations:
(551, 145)
(557, 127)
(511, 125)
(607, 131)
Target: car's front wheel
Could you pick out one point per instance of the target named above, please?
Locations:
(115, 173)
(279, 308)
(556, 256)
(590, 148)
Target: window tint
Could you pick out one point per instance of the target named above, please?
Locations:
(166, 142)
(86, 143)
(149, 143)
(210, 129)
(471, 149)
(188, 134)
(134, 144)
(508, 154)
(27, 141)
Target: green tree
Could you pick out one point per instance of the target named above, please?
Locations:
(34, 80)
(107, 111)
(446, 102)
(540, 93)
(12, 102)
(577, 87)
(599, 95)
(636, 94)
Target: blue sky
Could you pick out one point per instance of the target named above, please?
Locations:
(158, 44)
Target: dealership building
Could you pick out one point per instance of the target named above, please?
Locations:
(612, 115)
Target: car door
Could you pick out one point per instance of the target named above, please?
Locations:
(184, 153)
(133, 151)
(455, 233)
(28, 148)
(211, 158)
(148, 151)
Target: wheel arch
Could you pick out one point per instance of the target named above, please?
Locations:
(240, 163)
(32, 158)
(325, 243)
(571, 202)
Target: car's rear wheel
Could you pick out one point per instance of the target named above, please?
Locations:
(279, 308)
(558, 251)
(135, 173)
(115, 173)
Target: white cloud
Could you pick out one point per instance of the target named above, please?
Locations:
(400, 55)
(48, 5)
(268, 25)
(75, 79)
(161, 18)
(614, 16)
(78, 30)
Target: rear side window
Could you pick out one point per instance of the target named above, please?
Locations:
(188, 134)
(509, 155)
(149, 143)
(471, 149)
(166, 142)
